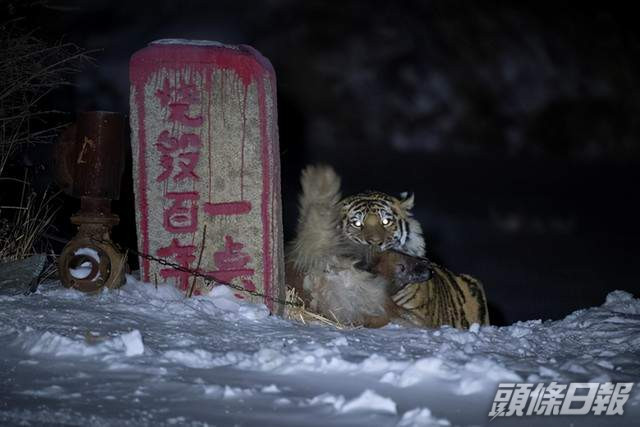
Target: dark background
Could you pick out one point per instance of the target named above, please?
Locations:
(515, 125)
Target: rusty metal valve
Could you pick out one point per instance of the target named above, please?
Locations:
(89, 166)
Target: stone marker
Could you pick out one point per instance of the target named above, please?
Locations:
(205, 151)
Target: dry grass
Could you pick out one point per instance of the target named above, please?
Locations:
(297, 311)
(31, 69)
(22, 226)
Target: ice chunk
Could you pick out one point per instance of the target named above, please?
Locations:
(328, 399)
(58, 345)
(622, 302)
(421, 417)
(197, 358)
(370, 401)
(236, 392)
(421, 369)
(132, 341)
(223, 298)
(272, 388)
(340, 341)
(618, 296)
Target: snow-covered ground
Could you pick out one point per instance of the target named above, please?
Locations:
(147, 356)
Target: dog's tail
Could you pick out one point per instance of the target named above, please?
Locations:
(317, 236)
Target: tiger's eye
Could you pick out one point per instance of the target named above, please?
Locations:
(386, 221)
(356, 223)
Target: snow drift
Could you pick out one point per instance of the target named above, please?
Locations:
(146, 356)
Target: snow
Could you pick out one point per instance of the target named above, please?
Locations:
(421, 417)
(90, 252)
(369, 401)
(142, 355)
(193, 43)
(84, 270)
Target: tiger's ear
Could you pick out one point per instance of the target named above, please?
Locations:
(406, 200)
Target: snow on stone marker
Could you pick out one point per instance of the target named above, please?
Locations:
(205, 151)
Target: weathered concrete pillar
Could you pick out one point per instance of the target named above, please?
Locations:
(205, 151)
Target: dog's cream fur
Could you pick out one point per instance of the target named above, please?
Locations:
(317, 237)
(335, 287)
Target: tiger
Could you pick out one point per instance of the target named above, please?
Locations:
(374, 221)
(446, 298)
(326, 277)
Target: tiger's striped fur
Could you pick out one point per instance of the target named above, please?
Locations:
(445, 299)
(377, 221)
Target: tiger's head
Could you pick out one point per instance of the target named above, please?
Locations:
(378, 220)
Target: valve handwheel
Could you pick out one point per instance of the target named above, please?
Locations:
(106, 270)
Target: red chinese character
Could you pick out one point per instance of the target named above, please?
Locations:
(182, 215)
(187, 168)
(188, 93)
(166, 162)
(227, 208)
(185, 95)
(248, 285)
(231, 263)
(164, 94)
(168, 145)
(184, 256)
(178, 112)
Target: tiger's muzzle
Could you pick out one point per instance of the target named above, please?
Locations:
(373, 232)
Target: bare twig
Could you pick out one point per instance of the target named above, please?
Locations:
(193, 280)
(31, 69)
